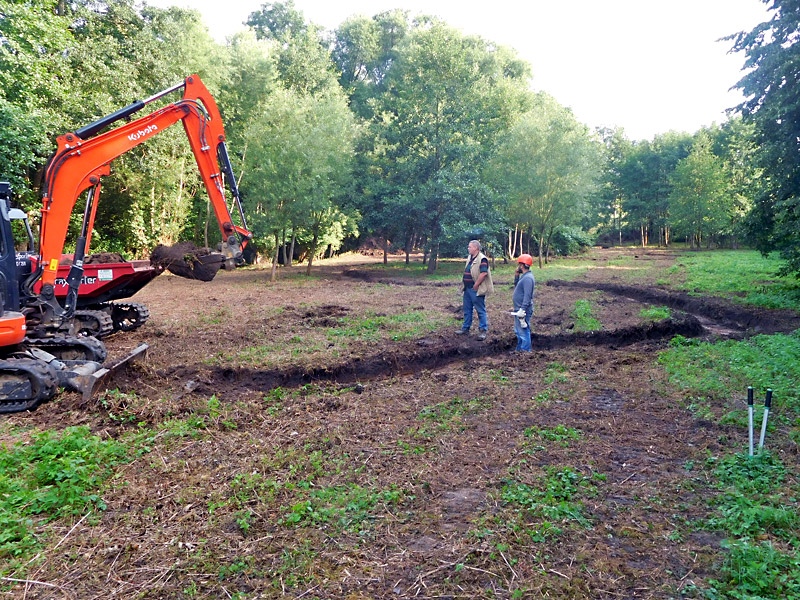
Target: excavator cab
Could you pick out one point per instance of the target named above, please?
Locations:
(9, 285)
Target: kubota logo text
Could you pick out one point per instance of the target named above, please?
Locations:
(142, 132)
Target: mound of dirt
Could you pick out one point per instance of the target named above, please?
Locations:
(187, 260)
(104, 258)
(101, 258)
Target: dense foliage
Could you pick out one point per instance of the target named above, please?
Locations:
(773, 105)
(392, 129)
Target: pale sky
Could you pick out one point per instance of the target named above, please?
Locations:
(646, 65)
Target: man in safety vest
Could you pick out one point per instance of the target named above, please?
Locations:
(477, 282)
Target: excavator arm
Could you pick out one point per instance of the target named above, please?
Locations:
(83, 157)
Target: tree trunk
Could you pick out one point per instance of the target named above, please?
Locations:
(385, 250)
(547, 247)
(434, 258)
(541, 242)
(283, 246)
(291, 249)
(313, 249)
(275, 259)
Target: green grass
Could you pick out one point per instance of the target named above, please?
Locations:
(555, 498)
(582, 314)
(555, 373)
(49, 476)
(561, 434)
(720, 373)
(743, 275)
(344, 507)
(754, 500)
(655, 313)
(450, 413)
(374, 327)
(758, 513)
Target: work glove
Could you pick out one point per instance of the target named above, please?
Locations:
(520, 313)
(523, 324)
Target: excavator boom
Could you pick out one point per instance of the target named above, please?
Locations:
(41, 348)
(83, 157)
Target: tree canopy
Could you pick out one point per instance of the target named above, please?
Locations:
(393, 128)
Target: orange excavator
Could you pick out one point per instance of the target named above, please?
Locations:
(43, 345)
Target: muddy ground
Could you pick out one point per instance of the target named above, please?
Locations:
(260, 397)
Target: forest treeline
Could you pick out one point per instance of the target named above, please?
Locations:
(391, 129)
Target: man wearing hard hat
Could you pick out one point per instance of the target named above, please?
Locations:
(523, 303)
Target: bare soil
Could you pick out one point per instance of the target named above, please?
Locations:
(307, 401)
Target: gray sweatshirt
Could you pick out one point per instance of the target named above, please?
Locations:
(523, 293)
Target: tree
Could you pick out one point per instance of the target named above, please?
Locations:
(735, 143)
(304, 63)
(34, 84)
(547, 167)
(279, 21)
(644, 180)
(363, 50)
(772, 103)
(123, 54)
(607, 206)
(446, 100)
(699, 202)
(298, 160)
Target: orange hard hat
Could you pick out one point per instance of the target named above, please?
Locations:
(526, 259)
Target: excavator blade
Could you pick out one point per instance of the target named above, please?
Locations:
(89, 383)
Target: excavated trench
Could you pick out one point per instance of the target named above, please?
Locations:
(696, 317)
(423, 354)
(715, 314)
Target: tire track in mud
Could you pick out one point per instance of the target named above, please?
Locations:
(716, 314)
(722, 314)
(423, 354)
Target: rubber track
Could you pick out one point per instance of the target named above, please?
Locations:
(103, 324)
(121, 320)
(120, 314)
(71, 348)
(37, 374)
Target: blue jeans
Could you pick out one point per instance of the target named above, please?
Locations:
(472, 300)
(523, 333)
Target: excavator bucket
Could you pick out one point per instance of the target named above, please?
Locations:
(187, 260)
(85, 379)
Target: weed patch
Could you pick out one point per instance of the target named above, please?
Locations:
(51, 476)
(582, 314)
(723, 371)
(655, 313)
(343, 508)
